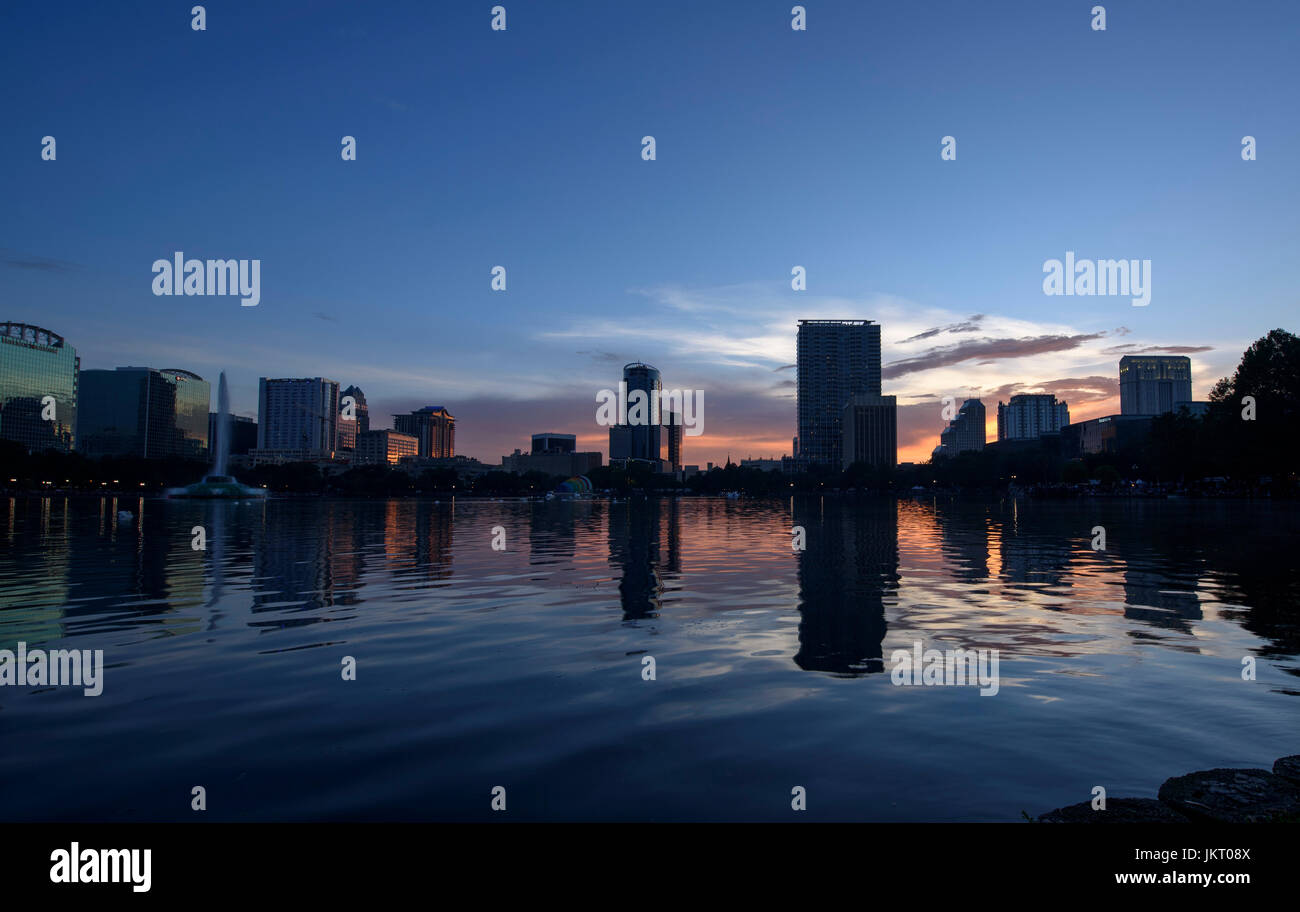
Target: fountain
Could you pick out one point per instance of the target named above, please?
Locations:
(220, 484)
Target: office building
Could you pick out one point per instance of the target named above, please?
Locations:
(554, 443)
(1108, 434)
(641, 438)
(869, 425)
(965, 433)
(1154, 384)
(143, 412)
(297, 419)
(384, 447)
(836, 360)
(675, 432)
(243, 434)
(354, 418)
(1030, 415)
(434, 429)
(39, 376)
(554, 462)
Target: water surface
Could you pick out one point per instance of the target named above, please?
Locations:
(523, 667)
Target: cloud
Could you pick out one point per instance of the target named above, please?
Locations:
(1071, 389)
(1133, 348)
(44, 264)
(972, 324)
(604, 357)
(986, 351)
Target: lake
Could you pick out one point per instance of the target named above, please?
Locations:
(521, 666)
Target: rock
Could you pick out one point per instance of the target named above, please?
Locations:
(1288, 768)
(1118, 810)
(1232, 795)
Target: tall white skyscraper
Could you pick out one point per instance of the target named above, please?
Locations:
(298, 417)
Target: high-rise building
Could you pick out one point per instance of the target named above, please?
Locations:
(297, 418)
(1154, 384)
(384, 447)
(869, 425)
(965, 433)
(1030, 415)
(354, 417)
(361, 410)
(675, 432)
(143, 412)
(39, 376)
(641, 438)
(837, 359)
(433, 427)
(554, 443)
(243, 433)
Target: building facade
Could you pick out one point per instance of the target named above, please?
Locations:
(243, 434)
(675, 433)
(384, 447)
(297, 416)
(556, 462)
(434, 429)
(869, 425)
(1030, 415)
(39, 379)
(354, 418)
(837, 359)
(143, 412)
(1108, 434)
(1154, 384)
(554, 443)
(641, 439)
(965, 433)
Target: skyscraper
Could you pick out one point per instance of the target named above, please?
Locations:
(675, 433)
(140, 411)
(297, 418)
(1154, 384)
(38, 388)
(433, 427)
(837, 359)
(870, 429)
(965, 433)
(1030, 415)
(641, 438)
(354, 417)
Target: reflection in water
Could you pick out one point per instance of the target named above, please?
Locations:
(635, 532)
(525, 663)
(846, 572)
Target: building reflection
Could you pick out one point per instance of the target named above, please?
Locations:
(847, 571)
(645, 545)
(964, 539)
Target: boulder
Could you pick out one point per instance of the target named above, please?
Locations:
(1118, 810)
(1232, 795)
(1288, 768)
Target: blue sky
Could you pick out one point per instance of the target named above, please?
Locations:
(775, 148)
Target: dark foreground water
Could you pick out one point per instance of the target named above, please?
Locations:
(522, 668)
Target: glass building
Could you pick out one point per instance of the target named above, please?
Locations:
(39, 376)
(140, 411)
(836, 360)
(642, 437)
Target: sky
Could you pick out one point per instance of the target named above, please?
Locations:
(775, 148)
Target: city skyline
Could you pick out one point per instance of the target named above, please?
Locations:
(605, 434)
(682, 262)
